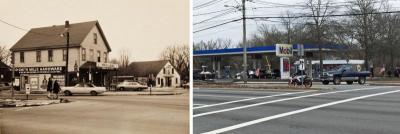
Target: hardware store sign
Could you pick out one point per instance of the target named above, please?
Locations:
(40, 70)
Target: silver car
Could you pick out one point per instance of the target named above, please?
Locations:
(83, 89)
(128, 85)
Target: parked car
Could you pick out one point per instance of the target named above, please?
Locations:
(83, 89)
(344, 73)
(126, 85)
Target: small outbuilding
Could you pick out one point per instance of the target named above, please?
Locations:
(162, 73)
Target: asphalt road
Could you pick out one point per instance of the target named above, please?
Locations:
(348, 109)
(101, 115)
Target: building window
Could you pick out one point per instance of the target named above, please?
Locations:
(98, 56)
(105, 57)
(158, 81)
(91, 52)
(172, 71)
(64, 54)
(163, 70)
(95, 38)
(83, 54)
(176, 80)
(22, 57)
(50, 55)
(38, 56)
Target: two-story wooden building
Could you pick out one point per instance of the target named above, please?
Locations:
(42, 53)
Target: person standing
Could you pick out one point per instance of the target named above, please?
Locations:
(56, 89)
(49, 87)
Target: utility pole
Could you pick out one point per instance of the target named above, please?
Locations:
(67, 54)
(244, 42)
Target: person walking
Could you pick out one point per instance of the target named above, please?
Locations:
(56, 89)
(50, 87)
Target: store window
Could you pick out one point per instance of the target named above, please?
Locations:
(22, 57)
(50, 55)
(38, 56)
(83, 54)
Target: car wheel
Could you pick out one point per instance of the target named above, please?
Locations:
(121, 89)
(336, 80)
(361, 80)
(67, 93)
(93, 93)
(325, 82)
(349, 82)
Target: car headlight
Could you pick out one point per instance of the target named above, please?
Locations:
(330, 75)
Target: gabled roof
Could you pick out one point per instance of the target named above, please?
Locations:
(49, 37)
(144, 68)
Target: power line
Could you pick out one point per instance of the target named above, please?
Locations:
(216, 16)
(302, 16)
(212, 2)
(212, 12)
(23, 29)
(217, 25)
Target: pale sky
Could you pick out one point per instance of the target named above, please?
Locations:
(263, 8)
(144, 27)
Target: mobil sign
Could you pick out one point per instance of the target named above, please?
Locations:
(284, 50)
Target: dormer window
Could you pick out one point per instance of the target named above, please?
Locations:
(95, 38)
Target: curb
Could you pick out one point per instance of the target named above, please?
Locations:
(18, 103)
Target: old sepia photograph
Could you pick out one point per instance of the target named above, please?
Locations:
(94, 67)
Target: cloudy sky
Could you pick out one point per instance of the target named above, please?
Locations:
(143, 27)
(220, 11)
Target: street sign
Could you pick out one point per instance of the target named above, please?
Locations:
(27, 89)
(301, 65)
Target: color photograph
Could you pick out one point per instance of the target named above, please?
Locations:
(94, 67)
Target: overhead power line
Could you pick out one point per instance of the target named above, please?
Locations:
(212, 12)
(217, 25)
(212, 2)
(23, 29)
(301, 16)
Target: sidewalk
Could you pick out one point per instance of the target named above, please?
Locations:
(154, 91)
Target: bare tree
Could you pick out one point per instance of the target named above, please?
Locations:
(213, 44)
(5, 55)
(124, 58)
(319, 9)
(178, 56)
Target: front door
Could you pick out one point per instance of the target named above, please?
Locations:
(168, 81)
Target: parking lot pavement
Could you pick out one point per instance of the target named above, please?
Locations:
(345, 109)
(101, 115)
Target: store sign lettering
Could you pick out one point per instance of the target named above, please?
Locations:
(40, 70)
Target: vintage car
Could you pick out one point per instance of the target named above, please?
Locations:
(126, 85)
(345, 73)
(82, 88)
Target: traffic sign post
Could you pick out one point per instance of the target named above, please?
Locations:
(27, 90)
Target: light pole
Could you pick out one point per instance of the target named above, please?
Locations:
(67, 53)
